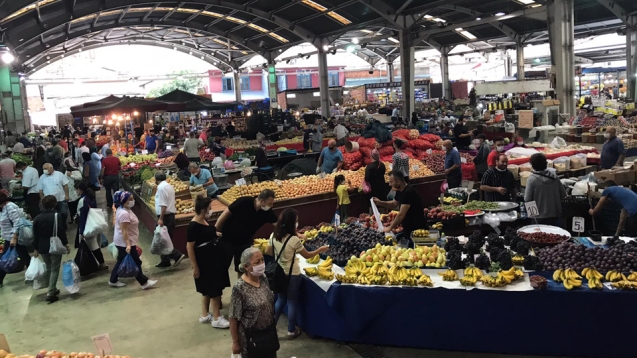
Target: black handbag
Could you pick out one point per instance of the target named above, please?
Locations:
(262, 343)
(85, 260)
(277, 279)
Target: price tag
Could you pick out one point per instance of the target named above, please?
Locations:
(531, 209)
(207, 150)
(442, 198)
(158, 164)
(578, 224)
(132, 165)
(240, 182)
(103, 344)
(428, 151)
(144, 151)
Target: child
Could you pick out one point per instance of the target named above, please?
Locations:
(342, 202)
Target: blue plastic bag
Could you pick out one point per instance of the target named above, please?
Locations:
(10, 262)
(104, 241)
(128, 267)
(71, 277)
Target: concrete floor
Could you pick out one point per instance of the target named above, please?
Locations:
(161, 322)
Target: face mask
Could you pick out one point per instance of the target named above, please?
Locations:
(476, 142)
(606, 135)
(258, 270)
(130, 203)
(499, 148)
(266, 208)
(520, 143)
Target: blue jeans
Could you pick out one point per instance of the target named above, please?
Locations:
(63, 209)
(292, 300)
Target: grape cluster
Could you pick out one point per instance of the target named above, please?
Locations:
(533, 263)
(474, 243)
(350, 241)
(452, 244)
(504, 259)
(619, 256)
(494, 241)
(483, 262)
(522, 248)
(454, 260)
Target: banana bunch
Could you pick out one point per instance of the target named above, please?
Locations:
(562, 275)
(410, 281)
(325, 269)
(614, 276)
(425, 280)
(346, 278)
(420, 233)
(518, 260)
(571, 283)
(377, 279)
(363, 280)
(592, 274)
(632, 276)
(473, 271)
(624, 283)
(414, 272)
(595, 284)
(452, 200)
(437, 226)
(377, 269)
(326, 229)
(449, 275)
(512, 274)
(357, 268)
(494, 281)
(311, 271)
(396, 275)
(260, 244)
(310, 234)
(468, 280)
(313, 260)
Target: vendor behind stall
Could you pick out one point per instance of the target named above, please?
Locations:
(261, 157)
(463, 137)
(316, 140)
(628, 201)
(453, 165)
(410, 214)
(331, 159)
(204, 178)
(613, 151)
(498, 183)
(498, 147)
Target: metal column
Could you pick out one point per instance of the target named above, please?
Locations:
(631, 61)
(273, 86)
(390, 71)
(561, 37)
(444, 69)
(407, 73)
(237, 85)
(519, 60)
(13, 106)
(324, 84)
(508, 64)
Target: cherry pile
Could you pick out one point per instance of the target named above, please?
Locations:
(543, 237)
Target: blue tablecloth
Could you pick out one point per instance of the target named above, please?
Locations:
(581, 323)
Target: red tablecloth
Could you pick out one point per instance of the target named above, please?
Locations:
(519, 161)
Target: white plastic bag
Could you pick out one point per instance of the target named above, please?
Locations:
(71, 277)
(113, 250)
(558, 142)
(95, 223)
(161, 245)
(37, 268)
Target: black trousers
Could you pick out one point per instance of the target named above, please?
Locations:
(73, 209)
(121, 254)
(169, 222)
(111, 185)
(23, 254)
(194, 159)
(33, 204)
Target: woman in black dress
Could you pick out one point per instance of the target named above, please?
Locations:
(375, 176)
(207, 264)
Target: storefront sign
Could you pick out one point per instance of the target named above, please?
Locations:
(395, 84)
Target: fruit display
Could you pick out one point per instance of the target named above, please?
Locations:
(619, 256)
(473, 205)
(237, 191)
(568, 277)
(325, 269)
(543, 237)
(417, 169)
(138, 159)
(184, 206)
(378, 274)
(261, 244)
(56, 354)
(166, 153)
(420, 233)
(310, 234)
(206, 155)
(469, 280)
(348, 242)
(440, 214)
(314, 260)
(502, 277)
(450, 200)
(449, 275)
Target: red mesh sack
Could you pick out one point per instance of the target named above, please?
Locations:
(367, 142)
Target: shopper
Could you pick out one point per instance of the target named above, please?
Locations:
(331, 159)
(284, 246)
(152, 142)
(182, 162)
(400, 160)
(75, 177)
(85, 203)
(107, 146)
(43, 229)
(316, 141)
(453, 165)
(375, 177)
(55, 155)
(251, 305)
(192, 146)
(110, 176)
(80, 153)
(204, 178)
(411, 211)
(39, 160)
(341, 133)
(613, 151)
(9, 139)
(165, 209)
(497, 149)
(483, 148)
(462, 135)
(240, 221)
(207, 259)
(544, 187)
(30, 180)
(9, 218)
(7, 170)
(126, 239)
(627, 199)
(341, 188)
(498, 183)
(55, 183)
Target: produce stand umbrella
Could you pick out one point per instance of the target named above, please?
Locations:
(105, 100)
(199, 105)
(124, 105)
(181, 96)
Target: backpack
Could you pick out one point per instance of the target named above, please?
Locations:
(277, 279)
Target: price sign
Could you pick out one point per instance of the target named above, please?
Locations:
(158, 164)
(415, 167)
(578, 224)
(144, 151)
(467, 184)
(103, 344)
(429, 151)
(240, 182)
(132, 165)
(531, 209)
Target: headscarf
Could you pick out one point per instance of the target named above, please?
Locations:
(120, 197)
(376, 156)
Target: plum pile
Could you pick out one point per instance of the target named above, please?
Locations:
(350, 241)
(620, 256)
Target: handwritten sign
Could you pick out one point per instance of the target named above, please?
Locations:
(578, 224)
(103, 344)
(525, 119)
(531, 209)
(144, 151)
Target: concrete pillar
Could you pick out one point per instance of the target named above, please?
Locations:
(324, 84)
(561, 38)
(631, 61)
(444, 69)
(390, 71)
(508, 64)
(13, 105)
(237, 85)
(273, 86)
(519, 60)
(407, 71)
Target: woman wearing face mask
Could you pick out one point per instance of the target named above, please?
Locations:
(207, 260)
(85, 202)
(283, 246)
(126, 238)
(10, 215)
(252, 306)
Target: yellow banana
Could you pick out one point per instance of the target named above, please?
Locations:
(557, 275)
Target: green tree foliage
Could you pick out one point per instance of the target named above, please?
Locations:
(191, 85)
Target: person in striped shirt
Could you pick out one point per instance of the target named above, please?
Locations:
(498, 183)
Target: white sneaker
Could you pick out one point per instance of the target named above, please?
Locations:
(206, 319)
(149, 284)
(116, 284)
(222, 323)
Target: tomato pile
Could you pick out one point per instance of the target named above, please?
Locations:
(438, 213)
(206, 156)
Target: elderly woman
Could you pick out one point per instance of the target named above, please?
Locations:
(252, 308)
(204, 178)
(9, 218)
(126, 238)
(375, 177)
(43, 226)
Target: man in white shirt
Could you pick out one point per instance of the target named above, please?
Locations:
(30, 180)
(165, 209)
(53, 182)
(341, 133)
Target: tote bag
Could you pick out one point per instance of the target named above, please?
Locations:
(56, 246)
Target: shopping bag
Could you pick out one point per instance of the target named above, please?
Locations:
(71, 277)
(95, 223)
(161, 244)
(85, 260)
(128, 267)
(10, 262)
(113, 250)
(36, 269)
(103, 241)
(25, 232)
(366, 187)
(56, 247)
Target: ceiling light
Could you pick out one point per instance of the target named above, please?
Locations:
(468, 35)
(355, 41)
(458, 29)
(280, 50)
(537, 60)
(478, 18)
(499, 14)
(325, 48)
(536, 5)
(7, 57)
(526, 2)
(393, 40)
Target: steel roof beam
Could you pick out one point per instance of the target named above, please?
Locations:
(618, 11)
(512, 34)
(196, 14)
(172, 11)
(147, 14)
(390, 14)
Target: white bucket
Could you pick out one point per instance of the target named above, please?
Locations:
(351, 147)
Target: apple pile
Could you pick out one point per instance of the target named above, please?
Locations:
(369, 221)
(395, 256)
(438, 213)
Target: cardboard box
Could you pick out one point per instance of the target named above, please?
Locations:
(624, 177)
(605, 175)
